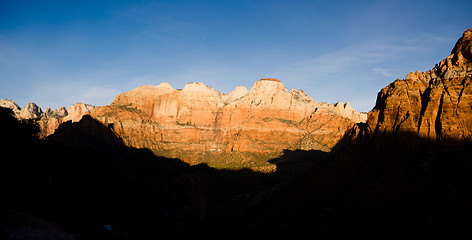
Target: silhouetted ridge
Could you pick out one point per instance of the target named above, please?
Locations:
(89, 183)
(85, 180)
(88, 132)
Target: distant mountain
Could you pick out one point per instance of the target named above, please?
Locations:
(198, 119)
(268, 118)
(48, 120)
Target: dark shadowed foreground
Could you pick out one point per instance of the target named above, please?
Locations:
(83, 183)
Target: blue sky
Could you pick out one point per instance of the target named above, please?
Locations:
(58, 53)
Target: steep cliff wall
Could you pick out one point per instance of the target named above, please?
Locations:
(435, 105)
(267, 118)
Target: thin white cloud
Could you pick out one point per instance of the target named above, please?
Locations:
(359, 70)
(65, 94)
(99, 95)
(360, 55)
(385, 72)
(141, 81)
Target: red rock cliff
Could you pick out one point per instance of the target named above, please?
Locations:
(267, 118)
(435, 105)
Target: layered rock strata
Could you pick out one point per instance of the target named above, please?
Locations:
(435, 105)
(266, 118)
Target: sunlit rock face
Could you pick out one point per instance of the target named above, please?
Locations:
(434, 105)
(267, 118)
(7, 103)
(31, 111)
(78, 110)
(49, 120)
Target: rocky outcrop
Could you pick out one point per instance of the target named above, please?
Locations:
(237, 93)
(31, 111)
(267, 118)
(78, 110)
(48, 121)
(51, 120)
(435, 105)
(57, 113)
(7, 103)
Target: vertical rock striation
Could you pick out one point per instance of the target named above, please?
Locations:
(435, 105)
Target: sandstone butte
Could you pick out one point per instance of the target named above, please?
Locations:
(267, 118)
(433, 105)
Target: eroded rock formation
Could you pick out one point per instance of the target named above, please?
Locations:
(7, 103)
(31, 111)
(76, 112)
(267, 118)
(48, 121)
(435, 105)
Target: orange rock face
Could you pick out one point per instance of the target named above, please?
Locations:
(75, 112)
(435, 104)
(267, 118)
(47, 126)
(50, 121)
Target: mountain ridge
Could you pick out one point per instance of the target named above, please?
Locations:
(266, 119)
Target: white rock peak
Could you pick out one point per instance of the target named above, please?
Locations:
(265, 93)
(75, 112)
(198, 87)
(7, 103)
(30, 111)
(237, 93)
(165, 85)
(267, 86)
